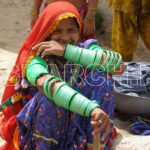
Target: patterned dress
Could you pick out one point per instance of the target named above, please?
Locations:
(131, 6)
(46, 126)
(131, 19)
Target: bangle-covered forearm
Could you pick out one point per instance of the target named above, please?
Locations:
(66, 97)
(94, 58)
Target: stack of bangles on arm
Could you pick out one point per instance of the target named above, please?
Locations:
(92, 58)
(63, 95)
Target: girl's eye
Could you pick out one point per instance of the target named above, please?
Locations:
(57, 31)
(72, 30)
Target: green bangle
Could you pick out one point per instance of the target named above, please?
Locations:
(109, 65)
(76, 102)
(62, 98)
(84, 106)
(109, 62)
(58, 87)
(98, 56)
(66, 55)
(90, 107)
(87, 57)
(114, 58)
(39, 66)
(98, 60)
(80, 55)
(45, 86)
(38, 60)
(91, 58)
(50, 84)
(69, 100)
(118, 63)
(33, 75)
(71, 92)
(72, 53)
(95, 47)
(104, 65)
(76, 57)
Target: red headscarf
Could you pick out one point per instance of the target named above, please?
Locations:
(45, 25)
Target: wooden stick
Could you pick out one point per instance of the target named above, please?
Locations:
(96, 141)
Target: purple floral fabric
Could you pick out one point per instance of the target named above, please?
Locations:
(46, 126)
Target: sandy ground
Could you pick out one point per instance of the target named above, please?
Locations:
(14, 28)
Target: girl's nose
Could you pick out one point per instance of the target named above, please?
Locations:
(65, 37)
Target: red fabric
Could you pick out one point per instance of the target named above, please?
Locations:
(9, 128)
(46, 19)
(8, 146)
(7, 133)
(10, 111)
(115, 133)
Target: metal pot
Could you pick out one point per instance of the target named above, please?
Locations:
(132, 104)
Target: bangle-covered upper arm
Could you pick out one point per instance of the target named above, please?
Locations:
(36, 67)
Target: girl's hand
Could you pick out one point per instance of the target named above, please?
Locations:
(88, 26)
(101, 121)
(50, 48)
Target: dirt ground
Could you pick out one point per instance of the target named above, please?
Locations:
(14, 28)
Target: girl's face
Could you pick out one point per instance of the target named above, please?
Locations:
(66, 32)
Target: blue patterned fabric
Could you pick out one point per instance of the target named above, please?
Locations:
(135, 80)
(140, 127)
(45, 126)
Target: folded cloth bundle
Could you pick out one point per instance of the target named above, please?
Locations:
(140, 127)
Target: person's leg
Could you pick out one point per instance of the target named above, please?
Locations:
(124, 34)
(144, 29)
